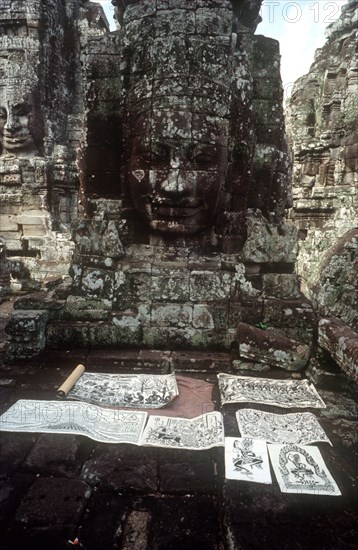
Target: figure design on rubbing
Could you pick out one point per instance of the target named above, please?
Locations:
(244, 459)
(300, 470)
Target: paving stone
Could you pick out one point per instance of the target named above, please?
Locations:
(55, 537)
(55, 454)
(289, 537)
(52, 502)
(343, 466)
(122, 468)
(189, 472)
(103, 525)
(136, 531)
(344, 407)
(13, 450)
(261, 516)
(177, 521)
(343, 432)
(11, 492)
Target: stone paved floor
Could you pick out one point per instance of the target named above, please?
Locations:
(54, 488)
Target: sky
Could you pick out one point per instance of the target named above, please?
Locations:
(298, 25)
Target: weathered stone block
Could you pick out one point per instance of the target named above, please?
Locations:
(11, 179)
(29, 327)
(198, 361)
(54, 455)
(221, 339)
(132, 318)
(112, 334)
(172, 315)
(174, 22)
(265, 244)
(264, 346)
(12, 492)
(53, 502)
(8, 222)
(122, 469)
(247, 310)
(14, 448)
(170, 284)
(81, 308)
(213, 21)
(38, 300)
(220, 315)
(202, 317)
(31, 219)
(280, 285)
(97, 283)
(192, 512)
(179, 338)
(342, 344)
(23, 349)
(104, 520)
(187, 473)
(206, 286)
(59, 335)
(292, 318)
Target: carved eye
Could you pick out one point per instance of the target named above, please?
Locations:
(157, 155)
(160, 154)
(204, 157)
(22, 109)
(3, 113)
(145, 156)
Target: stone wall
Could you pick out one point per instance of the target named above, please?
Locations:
(41, 120)
(322, 121)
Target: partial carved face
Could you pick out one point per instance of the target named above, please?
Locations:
(15, 128)
(175, 182)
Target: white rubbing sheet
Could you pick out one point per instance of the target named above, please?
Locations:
(246, 459)
(301, 469)
(70, 417)
(267, 391)
(302, 428)
(199, 433)
(125, 390)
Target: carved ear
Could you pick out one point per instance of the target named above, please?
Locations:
(248, 12)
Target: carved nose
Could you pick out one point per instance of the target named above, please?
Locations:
(12, 123)
(175, 184)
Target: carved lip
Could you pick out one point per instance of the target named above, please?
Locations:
(184, 208)
(15, 140)
(166, 212)
(181, 209)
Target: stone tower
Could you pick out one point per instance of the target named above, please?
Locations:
(322, 122)
(41, 116)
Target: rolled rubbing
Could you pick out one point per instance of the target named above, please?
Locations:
(70, 381)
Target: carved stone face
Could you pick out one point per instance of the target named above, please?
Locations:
(175, 178)
(15, 128)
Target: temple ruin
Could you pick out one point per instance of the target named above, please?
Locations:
(178, 280)
(151, 163)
